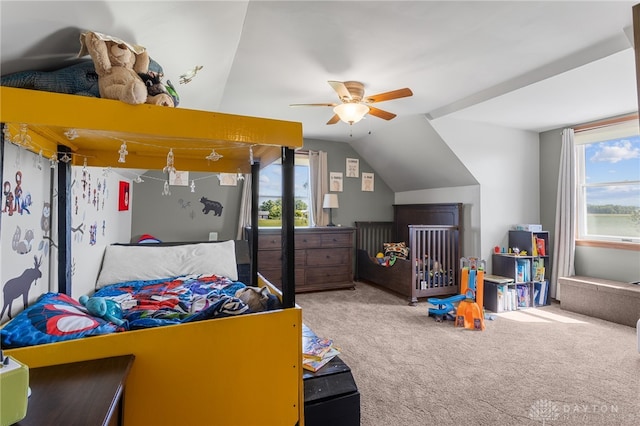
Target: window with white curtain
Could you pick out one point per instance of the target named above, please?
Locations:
(608, 179)
(270, 193)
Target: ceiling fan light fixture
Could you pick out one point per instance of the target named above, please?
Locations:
(351, 112)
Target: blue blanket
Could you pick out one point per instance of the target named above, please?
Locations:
(57, 317)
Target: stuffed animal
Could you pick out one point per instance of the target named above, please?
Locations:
(77, 79)
(103, 308)
(118, 65)
(155, 86)
(258, 299)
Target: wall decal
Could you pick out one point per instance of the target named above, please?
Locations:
(93, 233)
(8, 198)
(123, 197)
(22, 245)
(78, 232)
(20, 286)
(45, 222)
(26, 203)
(210, 205)
(17, 192)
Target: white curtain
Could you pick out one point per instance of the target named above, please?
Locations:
(245, 207)
(564, 243)
(319, 185)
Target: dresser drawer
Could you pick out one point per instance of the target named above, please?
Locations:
(307, 240)
(329, 257)
(271, 259)
(341, 239)
(326, 275)
(270, 241)
(275, 277)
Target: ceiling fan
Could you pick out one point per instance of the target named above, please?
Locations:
(354, 105)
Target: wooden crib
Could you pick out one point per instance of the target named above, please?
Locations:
(434, 242)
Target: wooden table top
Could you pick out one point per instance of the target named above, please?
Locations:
(80, 393)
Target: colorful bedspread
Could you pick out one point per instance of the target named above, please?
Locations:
(173, 301)
(56, 317)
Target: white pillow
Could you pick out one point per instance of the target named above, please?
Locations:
(129, 263)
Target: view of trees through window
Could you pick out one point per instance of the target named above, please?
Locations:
(270, 193)
(609, 189)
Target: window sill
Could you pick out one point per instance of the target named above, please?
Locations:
(618, 245)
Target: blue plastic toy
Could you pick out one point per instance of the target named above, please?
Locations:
(444, 307)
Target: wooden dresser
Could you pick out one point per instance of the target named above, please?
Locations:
(323, 257)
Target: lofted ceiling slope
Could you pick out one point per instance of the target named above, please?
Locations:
(533, 65)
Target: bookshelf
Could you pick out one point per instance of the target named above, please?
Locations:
(528, 273)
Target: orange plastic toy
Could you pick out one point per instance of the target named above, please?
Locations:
(470, 313)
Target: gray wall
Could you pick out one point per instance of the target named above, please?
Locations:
(355, 205)
(179, 217)
(607, 263)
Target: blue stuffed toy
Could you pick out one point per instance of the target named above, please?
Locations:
(103, 308)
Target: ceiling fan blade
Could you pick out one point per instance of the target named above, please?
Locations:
(341, 89)
(381, 114)
(306, 105)
(334, 119)
(387, 96)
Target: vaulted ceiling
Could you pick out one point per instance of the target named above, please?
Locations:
(533, 65)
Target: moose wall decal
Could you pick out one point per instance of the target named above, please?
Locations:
(20, 286)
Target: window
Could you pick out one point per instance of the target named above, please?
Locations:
(270, 193)
(608, 179)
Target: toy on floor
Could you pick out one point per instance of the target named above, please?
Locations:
(444, 307)
(469, 313)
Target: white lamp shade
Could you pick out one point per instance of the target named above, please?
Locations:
(351, 112)
(330, 201)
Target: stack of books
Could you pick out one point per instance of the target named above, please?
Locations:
(316, 351)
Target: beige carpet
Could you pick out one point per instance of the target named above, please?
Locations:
(537, 366)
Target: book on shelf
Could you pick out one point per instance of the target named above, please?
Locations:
(500, 295)
(539, 270)
(522, 270)
(524, 298)
(540, 290)
(540, 247)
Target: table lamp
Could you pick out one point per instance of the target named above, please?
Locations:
(330, 202)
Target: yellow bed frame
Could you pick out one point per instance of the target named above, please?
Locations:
(244, 370)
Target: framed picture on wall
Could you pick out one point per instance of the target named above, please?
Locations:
(123, 196)
(353, 167)
(335, 181)
(367, 182)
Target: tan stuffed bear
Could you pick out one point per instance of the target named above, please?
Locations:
(117, 64)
